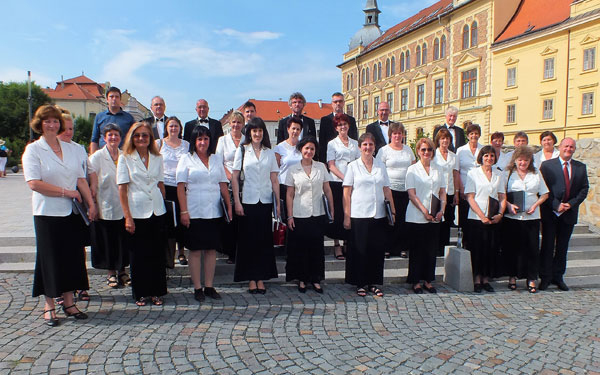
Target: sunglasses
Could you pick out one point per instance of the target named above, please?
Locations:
(141, 135)
(428, 149)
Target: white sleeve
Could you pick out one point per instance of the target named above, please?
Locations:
(122, 171)
(182, 171)
(349, 177)
(237, 160)
(32, 168)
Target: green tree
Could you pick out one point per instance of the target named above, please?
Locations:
(413, 143)
(83, 131)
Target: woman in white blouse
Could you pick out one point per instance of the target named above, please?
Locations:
(523, 223)
(502, 158)
(141, 192)
(482, 184)
(466, 159)
(397, 158)
(226, 147)
(307, 182)
(547, 140)
(446, 160)
(201, 183)
(287, 155)
(53, 171)
(255, 258)
(366, 187)
(108, 233)
(172, 148)
(340, 151)
(425, 183)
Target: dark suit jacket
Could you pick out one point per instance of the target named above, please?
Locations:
(151, 120)
(459, 135)
(375, 129)
(215, 127)
(327, 133)
(308, 128)
(554, 177)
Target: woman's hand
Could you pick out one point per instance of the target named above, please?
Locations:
(92, 212)
(485, 220)
(346, 222)
(512, 208)
(184, 217)
(291, 224)
(229, 212)
(439, 216)
(73, 194)
(496, 218)
(129, 225)
(239, 209)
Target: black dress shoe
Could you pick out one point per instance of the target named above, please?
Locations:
(318, 289)
(417, 290)
(477, 288)
(487, 287)
(212, 293)
(199, 295)
(253, 291)
(544, 284)
(561, 285)
(302, 289)
(261, 291)
(76, 315)
(430, 289)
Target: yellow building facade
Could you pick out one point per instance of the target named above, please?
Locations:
(548, 79)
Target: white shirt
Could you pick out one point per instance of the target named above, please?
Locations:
(83, 158)
(143, 193)
(308, 190)
(289, 156)
(539, 157)
(483, 188)
(448, 166)
(342, 155)
(257, 174)
(160, 127)
(533, 185)
(396, 162)
(425, 186)
(41, 163)
(466, 160)
(504, 160)
(226, 148)
(171, 158)
(367, 200)
(384, 131)
(107, 195)
(203, 189)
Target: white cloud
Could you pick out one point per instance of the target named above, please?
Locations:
(12, 74)
(250, 38)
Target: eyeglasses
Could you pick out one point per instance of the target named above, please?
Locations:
(141, 135)
(428, 149)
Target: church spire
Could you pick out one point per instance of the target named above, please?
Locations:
(370, 30)
(371, 13)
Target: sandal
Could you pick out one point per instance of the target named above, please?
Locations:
(339, 255)
(83, 295)
(53, 321)
(531, 288)
(141, 302)
(403, 254)
(513, 285)
(182, 260)
(376, 291)
(124, 279)
(59, 301)
(157, 301)
(112, 281)
(361, 292)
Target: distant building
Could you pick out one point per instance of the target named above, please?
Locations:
(85, 97)
(272, 111)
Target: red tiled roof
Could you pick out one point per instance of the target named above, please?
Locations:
(78, 88)
(80, 79)
(534, 15)
(273, 110)
(424, 16)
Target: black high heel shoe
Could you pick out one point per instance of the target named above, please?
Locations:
(302, 289)
(318, 289)
(52, 322)
(77, 315)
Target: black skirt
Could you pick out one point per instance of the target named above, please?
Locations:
(177, 231)
(424, 240)
(147, 256)
(398, 235)
(108, 245)
(229, 232)
(60, 256)
(203, 234)
(446, 225)
(365, 256)
(255, 258)
(336, 229)
(306, 259)
(521, 248)
(483, 243)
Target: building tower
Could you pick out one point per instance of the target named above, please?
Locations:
(370, 30)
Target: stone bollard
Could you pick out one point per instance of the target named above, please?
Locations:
(458, 273)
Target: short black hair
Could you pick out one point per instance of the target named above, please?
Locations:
(257, 123)
(487, 149)
(198, 132)
(113, 89)
(294, 120)
(305, 140)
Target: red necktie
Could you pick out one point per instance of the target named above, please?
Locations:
(567, 182)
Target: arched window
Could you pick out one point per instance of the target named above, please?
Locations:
(436, 49)
(379, 71)
(351, 81)
(347, 82)
(474, 34)
(418, 52)
(393, 65)
(401, 62)
(374, 72)
(424, 54)
(387, 67)
(443, 47)
(367, 76)
(465, 36)
(363, 80)
(407, 60)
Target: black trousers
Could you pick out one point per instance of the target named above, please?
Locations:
(555, 244)
(423, 245)
(446, 225)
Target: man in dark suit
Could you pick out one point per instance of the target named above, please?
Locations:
(215, 127)
(458, 134)
(568, 184)
(379, 128)
(158, 119)
(296, 103)
(327, 130)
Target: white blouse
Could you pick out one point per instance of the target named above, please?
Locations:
(342, 155)
(203, 189)
(308, 190)
(257, 174)
(367, 200)
(539, 157)
(465, 160)
(226, 148)
(41, 163)
(83, 159)
(483, 188)
(396, 162)
(534, 186)
(143, 193)
(289, 156)
(448, 166)
(107, 195)
(504, 160)
(171, 158)
(425, 185)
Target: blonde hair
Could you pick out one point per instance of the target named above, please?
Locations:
(129, 147)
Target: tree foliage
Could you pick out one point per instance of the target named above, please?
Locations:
(83, 131)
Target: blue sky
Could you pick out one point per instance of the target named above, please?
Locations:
(223, 51)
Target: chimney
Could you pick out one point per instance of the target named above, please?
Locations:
(62, 82)
(320, 101)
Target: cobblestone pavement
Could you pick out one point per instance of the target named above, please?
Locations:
(285, 332)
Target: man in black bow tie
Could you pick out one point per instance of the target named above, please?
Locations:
(379, 128)
(215, 127)
(296, 103)
(458, 135)
(158, 118)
